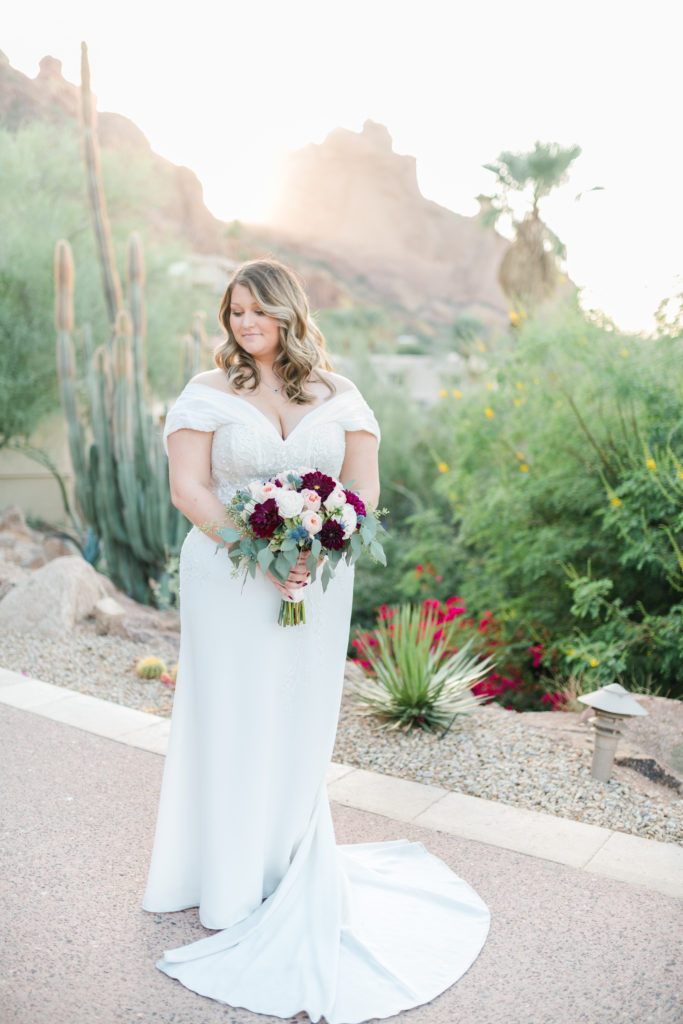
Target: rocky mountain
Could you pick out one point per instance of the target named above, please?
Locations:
(354, 197)
(349, 215)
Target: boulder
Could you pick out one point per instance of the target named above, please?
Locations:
(53, 599)
(12, 521)
(11, 575)
(58, 547)
(108, 614)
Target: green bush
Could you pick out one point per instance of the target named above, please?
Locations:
(567, 463)
(552, 494)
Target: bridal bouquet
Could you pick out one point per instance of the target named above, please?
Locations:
(300, 510)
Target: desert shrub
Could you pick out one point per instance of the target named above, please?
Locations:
(566, 464)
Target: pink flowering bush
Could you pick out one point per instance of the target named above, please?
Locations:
(519, 680)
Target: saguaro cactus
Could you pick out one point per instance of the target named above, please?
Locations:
(117, 455)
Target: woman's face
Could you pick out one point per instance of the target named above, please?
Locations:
(255, 331)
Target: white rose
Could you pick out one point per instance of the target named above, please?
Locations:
(289, 503)
(349, 520)
(335, 500)
(311, 500)
(311, 522)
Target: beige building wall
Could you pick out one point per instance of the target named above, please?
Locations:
(29, 485)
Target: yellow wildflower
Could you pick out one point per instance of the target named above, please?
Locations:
(490, 386)
(481, 347)
(514, 318)
(615, 501)
(594, 662)
(517, 401)
(457, 394)
(651, 464)
(570, 651)
(680, 474)
(519, 456)
(443, 393)
(489, 413)
(519, 385)
(443, 467)
(524, 468)
(624, 353)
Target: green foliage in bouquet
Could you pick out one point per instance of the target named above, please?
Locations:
(415, 677)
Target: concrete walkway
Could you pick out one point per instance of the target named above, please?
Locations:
(586, 923)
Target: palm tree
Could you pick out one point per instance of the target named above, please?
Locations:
(529, 272)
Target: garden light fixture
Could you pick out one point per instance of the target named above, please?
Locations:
(611, 704)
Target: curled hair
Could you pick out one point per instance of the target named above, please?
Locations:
(301, 353)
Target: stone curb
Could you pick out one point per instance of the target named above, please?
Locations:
(627, 858)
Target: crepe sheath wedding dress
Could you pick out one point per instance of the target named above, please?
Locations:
(243, 832)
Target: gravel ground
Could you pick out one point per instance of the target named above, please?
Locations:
(532, 761)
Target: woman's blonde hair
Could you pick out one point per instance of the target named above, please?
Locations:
(302, 346)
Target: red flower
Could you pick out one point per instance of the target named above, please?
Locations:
(319, 482)
(354, 500)
(265, 518)
(332, 534)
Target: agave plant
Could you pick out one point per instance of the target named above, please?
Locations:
(415, 677)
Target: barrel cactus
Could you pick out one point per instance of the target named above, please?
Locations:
(150, 668)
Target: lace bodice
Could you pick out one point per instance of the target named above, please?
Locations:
(247, 446)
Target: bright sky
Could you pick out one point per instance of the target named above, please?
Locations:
(226, 88)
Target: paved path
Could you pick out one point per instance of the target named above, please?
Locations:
(569, 943)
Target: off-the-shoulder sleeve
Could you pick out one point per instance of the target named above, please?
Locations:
(194, 410)
(354, 413)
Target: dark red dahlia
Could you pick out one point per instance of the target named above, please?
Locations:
(332, 535)
(265, 518)
(354, 500)
(317, 481)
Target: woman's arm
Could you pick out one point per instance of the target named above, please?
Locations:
(189, 476)
(360, 471)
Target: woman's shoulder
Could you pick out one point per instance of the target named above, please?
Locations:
(211, 379)
(339, 383)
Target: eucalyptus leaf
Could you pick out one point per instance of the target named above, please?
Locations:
(280, 568)
(377, 551)
(264, 558)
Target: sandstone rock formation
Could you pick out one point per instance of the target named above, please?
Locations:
(350, 216)
(49, 97)
(353, 196)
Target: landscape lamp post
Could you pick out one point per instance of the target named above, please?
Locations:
(611, 704)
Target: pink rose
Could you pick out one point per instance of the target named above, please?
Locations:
(260, 492)
(311, 500)
(311, 522)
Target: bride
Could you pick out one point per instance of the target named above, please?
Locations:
(243, 830)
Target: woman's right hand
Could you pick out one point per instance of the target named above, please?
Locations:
(299, 576)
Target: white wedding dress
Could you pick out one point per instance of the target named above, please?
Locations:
(244, 832)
